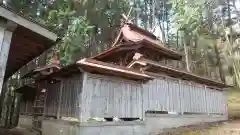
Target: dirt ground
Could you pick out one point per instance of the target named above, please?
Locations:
(17, 131)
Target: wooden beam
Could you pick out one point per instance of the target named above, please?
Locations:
(6, 13)
(22, 40)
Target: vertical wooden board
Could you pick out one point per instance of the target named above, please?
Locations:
(150, 95)
(173, 96)
(195, 103)
(159, 96)
(73, 95)
(5, 41)
(198, 99)
(146, 95)
(220, 102)
(153, 96)
(222, 99)
(178, 95)
(79, 96)
(181, 94)
(209, 100)
(86, 90)
(201, 89)
(165, 92)
(109, 100)
(214, 101)
(190, 97)
(62, 111)
(117, 98)
(217, 100)
(184, 105)
(205, 100)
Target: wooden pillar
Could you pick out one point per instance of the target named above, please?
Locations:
(6, 32)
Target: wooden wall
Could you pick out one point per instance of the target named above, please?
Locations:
(63, 97)
(105, 96)
(88, 95)
(172, 95)
(26, 108)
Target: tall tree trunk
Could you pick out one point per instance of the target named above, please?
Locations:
(219, 64)
(206, 64)
(185, 45)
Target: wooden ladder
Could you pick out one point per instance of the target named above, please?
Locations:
(38, 109)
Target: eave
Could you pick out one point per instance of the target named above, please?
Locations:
(112, 52)
(156, 68)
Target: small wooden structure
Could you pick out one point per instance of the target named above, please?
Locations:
(21, 40)
(127, 83)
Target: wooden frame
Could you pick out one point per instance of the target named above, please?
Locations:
(10, 15)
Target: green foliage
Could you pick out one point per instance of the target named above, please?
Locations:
(77, 35)
(187, 14)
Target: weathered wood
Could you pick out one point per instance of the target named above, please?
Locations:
(5, 41)
(89, 95)
(60, 101)
(6, 13)
(109, 97)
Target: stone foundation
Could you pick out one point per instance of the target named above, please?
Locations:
(152, 125)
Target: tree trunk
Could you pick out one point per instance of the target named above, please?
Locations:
(186, 53)
(219, 64)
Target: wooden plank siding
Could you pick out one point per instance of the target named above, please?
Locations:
(105, 96)
(89, 95)
(68, 99)
(109, 96)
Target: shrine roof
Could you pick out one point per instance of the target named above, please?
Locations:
(136, 38)
(29, 40)
(121, 49)
(98, 67)
(154, 68)
(39, 69)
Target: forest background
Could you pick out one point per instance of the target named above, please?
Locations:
(205, 31)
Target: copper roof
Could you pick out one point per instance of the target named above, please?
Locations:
(127, 47)
(136, 38)
(98, 67)
(111, 69)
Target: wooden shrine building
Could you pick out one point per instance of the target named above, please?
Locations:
(21, 40)
(123, 90)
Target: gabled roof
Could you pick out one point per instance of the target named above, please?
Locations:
(119, 50)
(135, 38)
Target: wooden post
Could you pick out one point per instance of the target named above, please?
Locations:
(6, 31)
